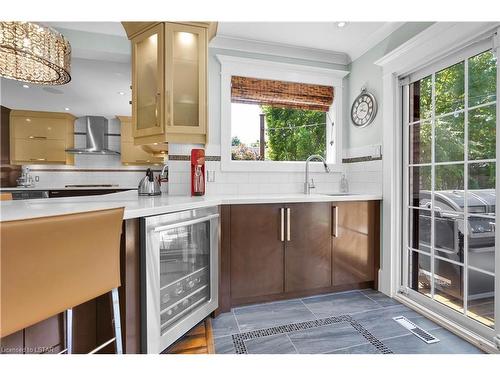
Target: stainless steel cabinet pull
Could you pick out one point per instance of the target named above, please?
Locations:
(282, 210)
(335, 218)
(36, 137)
(185, 223)
(288, 234)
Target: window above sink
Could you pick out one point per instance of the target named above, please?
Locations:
(274, 115)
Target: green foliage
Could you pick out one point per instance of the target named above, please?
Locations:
(449, 129)
(289, 136)
(235, 141)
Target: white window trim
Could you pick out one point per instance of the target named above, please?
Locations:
(264, 69)
(434, 43)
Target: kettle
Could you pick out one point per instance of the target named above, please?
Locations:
(149, 185)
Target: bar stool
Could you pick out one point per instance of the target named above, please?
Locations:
(50, 265)
(5, 196)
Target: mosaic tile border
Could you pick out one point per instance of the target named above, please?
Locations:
(188, 158)
(240, 338)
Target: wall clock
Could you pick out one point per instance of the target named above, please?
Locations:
(364, 109)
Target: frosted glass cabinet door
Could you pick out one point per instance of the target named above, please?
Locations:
(186, 79)
(148, 82)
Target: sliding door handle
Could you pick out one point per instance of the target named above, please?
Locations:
(282, 210)
(335, 224)
(288, 230)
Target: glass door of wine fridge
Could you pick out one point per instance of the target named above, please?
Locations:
(180, 255)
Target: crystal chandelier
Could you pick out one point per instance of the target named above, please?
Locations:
(34, 53)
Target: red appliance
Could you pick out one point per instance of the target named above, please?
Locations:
(197, 172)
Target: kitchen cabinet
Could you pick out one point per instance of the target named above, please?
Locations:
(169, 81)
(355, 241)
(308, 247)
(257, 250)
(278, 248)
(138, 155)
(41, 137)
(289, 250)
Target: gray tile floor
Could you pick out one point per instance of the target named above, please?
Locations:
(368, 308)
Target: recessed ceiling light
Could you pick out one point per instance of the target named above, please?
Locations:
(66, 109)
(341, 24)
(26, 86)
(121, 93)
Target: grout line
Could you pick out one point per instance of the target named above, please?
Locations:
(291, 342)
(236, 319)
(309, 309)
(371, 299)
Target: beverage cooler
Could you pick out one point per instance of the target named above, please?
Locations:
(179, 274)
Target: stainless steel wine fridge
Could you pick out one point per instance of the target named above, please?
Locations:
(179, 274)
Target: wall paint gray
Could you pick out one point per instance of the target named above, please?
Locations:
(364, 73)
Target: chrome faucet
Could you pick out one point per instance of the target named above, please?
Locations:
(308, 185)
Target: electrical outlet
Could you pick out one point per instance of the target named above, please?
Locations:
(37, 178)
(210, 176)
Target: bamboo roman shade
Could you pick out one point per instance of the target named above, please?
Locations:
(281, 94)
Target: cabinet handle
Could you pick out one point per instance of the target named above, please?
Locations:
(40, 159)
(36, 137)
(288, 231)
(335, 224)
(169, 114)
(282, 210)
(142, 161)
(157, 111)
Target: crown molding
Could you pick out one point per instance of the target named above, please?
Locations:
(279, 49)
(435, 42)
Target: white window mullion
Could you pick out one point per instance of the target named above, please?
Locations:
(433, 176)
(406, 194)
(496, 50)
(466, 187)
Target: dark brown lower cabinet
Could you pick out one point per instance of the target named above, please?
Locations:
(308, 246)
(256, 250)
(355, 241)
(278, 251)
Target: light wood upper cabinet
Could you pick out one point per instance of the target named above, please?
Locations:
(138, 155)
(41, 137)
(148, 82)
(186, 79)
(169, 82)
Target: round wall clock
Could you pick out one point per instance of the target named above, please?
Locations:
(364, 109)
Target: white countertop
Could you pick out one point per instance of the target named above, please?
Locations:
(36, 188)
(137, 206)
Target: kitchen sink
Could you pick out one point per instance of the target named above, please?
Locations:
(339, 194)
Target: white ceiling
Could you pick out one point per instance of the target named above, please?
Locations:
(100, 69)
(106, 28)
(101, 60)
(354, 39)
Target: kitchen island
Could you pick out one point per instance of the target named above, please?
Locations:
(92, 318)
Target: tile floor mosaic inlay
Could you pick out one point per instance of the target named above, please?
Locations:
(240, 338)
(353, 322)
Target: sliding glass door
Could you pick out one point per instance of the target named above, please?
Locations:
(448, 260)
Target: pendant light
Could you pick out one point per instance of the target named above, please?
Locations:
(33, 53)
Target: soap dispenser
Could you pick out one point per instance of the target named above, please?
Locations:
(344, 185)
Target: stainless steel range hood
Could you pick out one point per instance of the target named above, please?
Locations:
(97, 138)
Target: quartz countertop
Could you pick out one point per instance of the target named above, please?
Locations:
(37, 188)
(140, 206)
